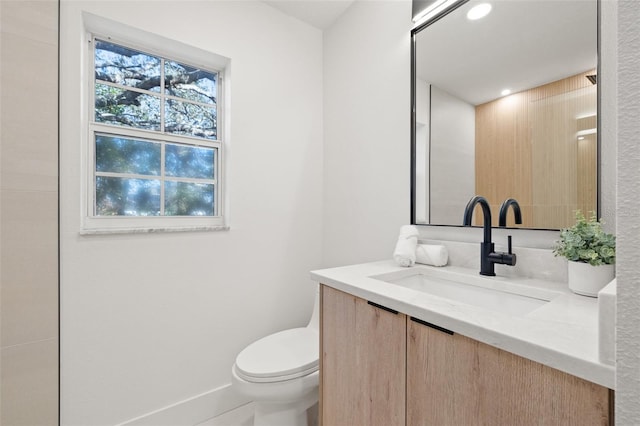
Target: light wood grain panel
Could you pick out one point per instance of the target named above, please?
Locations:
(526, 149)
(453, 380)
(503, 139)
(555, 154)
(441, 375)
(363, 362)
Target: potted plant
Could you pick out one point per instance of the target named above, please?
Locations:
(591, 253)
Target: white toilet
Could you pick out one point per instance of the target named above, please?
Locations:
(280, 374)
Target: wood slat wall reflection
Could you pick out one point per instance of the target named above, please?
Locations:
(533, 137)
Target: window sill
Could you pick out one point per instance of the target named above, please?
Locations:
(153, 230)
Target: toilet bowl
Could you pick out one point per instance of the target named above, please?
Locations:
(280, 374)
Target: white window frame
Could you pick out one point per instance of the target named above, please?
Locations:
(173, 51)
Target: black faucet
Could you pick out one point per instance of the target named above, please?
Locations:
(504, 208)
(488, 256)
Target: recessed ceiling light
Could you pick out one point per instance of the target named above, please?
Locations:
(505, 92)
(479, 11)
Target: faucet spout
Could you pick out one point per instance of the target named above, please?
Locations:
(486, 213)
(504, 208)
(488, 256)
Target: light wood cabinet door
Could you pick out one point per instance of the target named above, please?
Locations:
(454, 380)
(362, 362)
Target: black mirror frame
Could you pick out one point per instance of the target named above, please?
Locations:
(421, 26)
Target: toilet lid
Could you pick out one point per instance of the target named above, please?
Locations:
(281, 356)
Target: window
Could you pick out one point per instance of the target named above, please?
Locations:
(154, 139)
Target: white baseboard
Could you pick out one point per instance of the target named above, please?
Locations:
(192, 411)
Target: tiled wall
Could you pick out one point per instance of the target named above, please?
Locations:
(29, 212)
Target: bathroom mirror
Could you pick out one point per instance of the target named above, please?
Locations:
(538, 143)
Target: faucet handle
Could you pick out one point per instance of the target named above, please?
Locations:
(509, 258)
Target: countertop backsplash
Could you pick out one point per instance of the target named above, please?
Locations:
(531, 262)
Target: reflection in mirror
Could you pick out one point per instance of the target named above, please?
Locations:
(506, 107)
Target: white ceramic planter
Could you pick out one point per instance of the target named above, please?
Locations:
(588, 280)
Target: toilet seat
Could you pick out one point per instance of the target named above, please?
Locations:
(285, 355)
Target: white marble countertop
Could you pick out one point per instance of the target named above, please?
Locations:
(562, 334)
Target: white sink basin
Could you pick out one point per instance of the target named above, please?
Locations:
(488, 293)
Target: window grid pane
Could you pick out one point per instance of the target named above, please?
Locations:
(189, 199)
(169, 96)
(116, 154)
(190, 119)
(117, 196)
(120, 107)
(189, 161)
(137, 177)
(127, 67)
(129, 181)
(190, 83)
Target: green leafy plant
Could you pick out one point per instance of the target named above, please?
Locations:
(586, 242)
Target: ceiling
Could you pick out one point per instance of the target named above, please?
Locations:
(521, 44)
(318, 13)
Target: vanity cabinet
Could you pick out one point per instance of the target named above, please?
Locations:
(362, 363)
(384, 368)
(454, 380)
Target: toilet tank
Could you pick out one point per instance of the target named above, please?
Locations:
(314, 322)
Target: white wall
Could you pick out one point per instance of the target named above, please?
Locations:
(628, 214)
(150, 320)
(453, 169)
(366, 131)
(29, 212)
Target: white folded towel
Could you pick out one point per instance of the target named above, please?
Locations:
(432, 254)
(405, 251)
